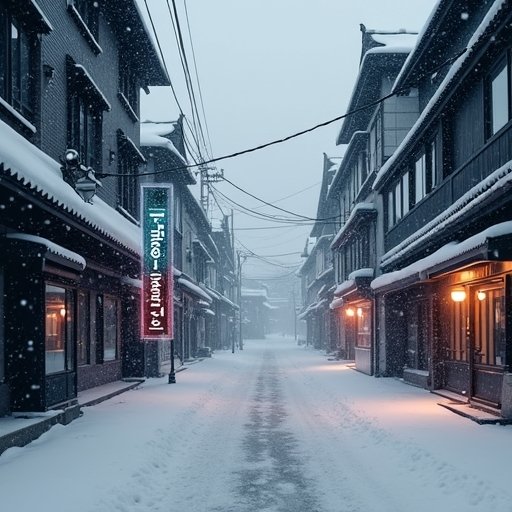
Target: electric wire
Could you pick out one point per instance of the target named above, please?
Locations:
(305, 131)
(162, 58)
(186, 70)
(197, 77)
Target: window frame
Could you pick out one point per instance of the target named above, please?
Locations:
(67, 328)
(21, 107)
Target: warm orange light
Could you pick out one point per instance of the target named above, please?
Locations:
(350, 312)
(458, 295)
(359, 312)
(481, 295)
(63, 312)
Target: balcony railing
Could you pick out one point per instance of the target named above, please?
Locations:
(493, 155)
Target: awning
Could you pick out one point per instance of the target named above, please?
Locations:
(491, 244)
(194, 289)
(54, 252)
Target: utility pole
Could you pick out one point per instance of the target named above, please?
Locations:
(207, 178)
(240, 263)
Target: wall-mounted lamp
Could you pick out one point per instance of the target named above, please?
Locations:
(480, 295)
(111, 156)
(350, 312)
(458, 295)
(80, 177)
(360, 312)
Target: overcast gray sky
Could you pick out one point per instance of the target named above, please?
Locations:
(267, 69)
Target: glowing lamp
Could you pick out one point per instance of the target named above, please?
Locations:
(458, 295)
(62, 311)
(481, 295)
(359, 312)
(350, 312)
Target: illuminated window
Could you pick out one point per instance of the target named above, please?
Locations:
(59, 328)
(363, 325)
(110, 329)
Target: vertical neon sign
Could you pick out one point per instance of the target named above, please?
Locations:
(157, 277)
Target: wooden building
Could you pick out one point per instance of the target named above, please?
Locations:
(444, 299)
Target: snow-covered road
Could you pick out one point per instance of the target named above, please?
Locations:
(276, 427)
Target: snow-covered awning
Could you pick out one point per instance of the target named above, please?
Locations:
(54, 252)
(491, 244)
(35, 170)
(195, 289)
(358, 281)
(336, 303)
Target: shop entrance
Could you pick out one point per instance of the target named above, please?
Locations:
(487, 341)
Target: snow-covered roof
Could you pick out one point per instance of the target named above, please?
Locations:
(444, 89)
(51, 247)
(155, 135)
(358, 208)
(445, 253)
(247, 292)
(395, 40)
(195, 289)
(37, 171)
(470, 200)
(337, 302)
(144, 17)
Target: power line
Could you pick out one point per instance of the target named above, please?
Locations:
(197, 76)
(186, 70)
(277, 207)
(302, 132)
(291, 195)
(173, 93)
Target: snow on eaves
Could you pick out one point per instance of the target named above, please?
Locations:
(359, 207)
(470, 200)
(247, 292)
(443, 89)
(37, 171)
(426, 29)
(146, 21)
(154, 135)
(394, 40)
(51, 247)
(445, 253)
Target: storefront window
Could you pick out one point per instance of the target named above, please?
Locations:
(489, 327)
(109, 329)
(59, 329)
(364, 325)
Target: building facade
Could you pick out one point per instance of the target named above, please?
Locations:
(445, 293)
(69, 80)
(371, 135)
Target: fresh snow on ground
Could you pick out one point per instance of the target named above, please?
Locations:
(275, 427)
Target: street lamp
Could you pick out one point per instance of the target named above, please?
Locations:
(80, 177)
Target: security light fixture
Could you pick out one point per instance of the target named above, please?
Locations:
(80, 177)
(480, 295)
(458, 295)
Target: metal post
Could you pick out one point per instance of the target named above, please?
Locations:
(240, 340)
(172, 373)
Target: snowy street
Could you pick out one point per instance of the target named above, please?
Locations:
(276, 427)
